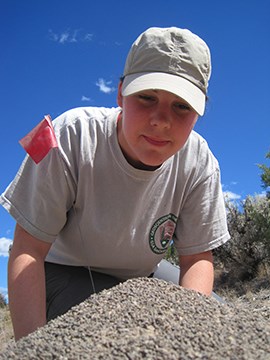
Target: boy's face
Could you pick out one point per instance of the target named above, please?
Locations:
(154, 125)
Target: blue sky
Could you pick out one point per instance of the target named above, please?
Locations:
(57, 55)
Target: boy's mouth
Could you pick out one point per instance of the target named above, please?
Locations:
(155, 142)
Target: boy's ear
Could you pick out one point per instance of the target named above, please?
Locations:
(119, 94)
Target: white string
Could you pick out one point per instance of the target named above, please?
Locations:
(77, 222)
(84, 245)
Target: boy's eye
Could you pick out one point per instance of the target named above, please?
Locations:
(181, 106)
(145, 97)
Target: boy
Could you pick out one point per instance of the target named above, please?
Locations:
(122, 184)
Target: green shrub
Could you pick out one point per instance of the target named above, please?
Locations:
(248, 252)
(3, 302)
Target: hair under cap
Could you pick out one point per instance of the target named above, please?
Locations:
(171, 59)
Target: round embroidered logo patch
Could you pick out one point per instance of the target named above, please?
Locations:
(161, 233)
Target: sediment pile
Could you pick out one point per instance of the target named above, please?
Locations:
(151, 319)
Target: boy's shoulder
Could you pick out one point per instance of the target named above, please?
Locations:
(83, 125)
(196, 142)
(81, 114)
(197, 154)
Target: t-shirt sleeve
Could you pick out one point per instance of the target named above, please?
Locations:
(202, 223)
(40, 195)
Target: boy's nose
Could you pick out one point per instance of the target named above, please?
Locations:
(160, 118)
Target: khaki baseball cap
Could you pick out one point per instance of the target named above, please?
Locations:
(171, 59)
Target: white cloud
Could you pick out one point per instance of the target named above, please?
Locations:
(64, 37)
(262, 194)
(53, 36)
(88, 37)
(4, 246)
(229, 195)
(104, 86)
(85, 98)
(70, 36)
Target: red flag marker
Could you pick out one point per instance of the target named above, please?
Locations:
(40, 140)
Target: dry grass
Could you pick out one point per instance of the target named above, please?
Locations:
(229, 285)
(254, 294)
(6, 332)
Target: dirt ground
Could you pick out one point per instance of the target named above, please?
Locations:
(255, 295)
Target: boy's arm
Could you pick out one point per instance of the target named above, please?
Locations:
(26, 283)
(197, 272)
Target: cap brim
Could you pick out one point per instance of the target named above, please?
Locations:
(163, 81)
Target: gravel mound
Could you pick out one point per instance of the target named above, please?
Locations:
(151, 319)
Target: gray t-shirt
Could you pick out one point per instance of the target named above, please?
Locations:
(99, 211)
